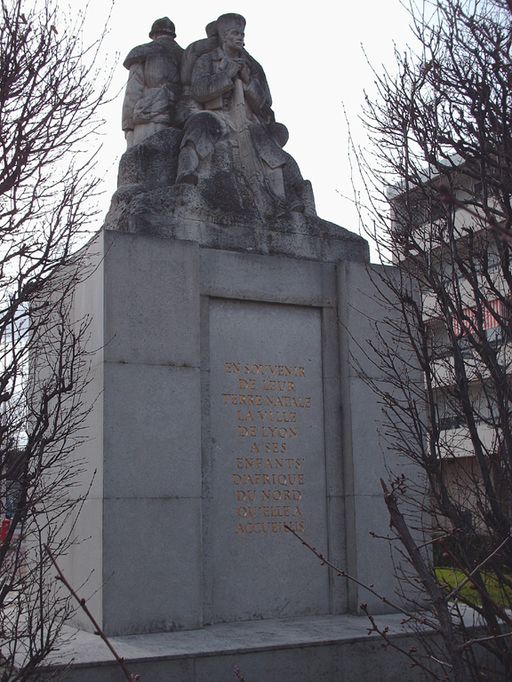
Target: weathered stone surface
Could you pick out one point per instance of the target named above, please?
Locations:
(152, 564)
(363, 301)
(151, 164)
(151, 296)
(221, 220)
(215, 172)
(214, 102)
(154, 87)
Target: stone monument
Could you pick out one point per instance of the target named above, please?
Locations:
(224, 404)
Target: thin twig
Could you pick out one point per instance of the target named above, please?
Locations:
(238, 674)
(410, 653)
(476, 569)
(343, 574)
(382, 632)
(97, 629)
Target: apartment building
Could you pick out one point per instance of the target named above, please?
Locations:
(442, 233)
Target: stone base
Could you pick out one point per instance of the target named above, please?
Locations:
(319, 649)
(180, 212)
(220, 212)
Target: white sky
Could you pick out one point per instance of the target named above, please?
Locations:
(314, 62)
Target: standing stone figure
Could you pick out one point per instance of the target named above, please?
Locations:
(153, 87)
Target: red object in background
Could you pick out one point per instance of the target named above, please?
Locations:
(4, 529)
(494, 316)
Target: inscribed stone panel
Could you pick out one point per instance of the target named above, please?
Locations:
(265, 463)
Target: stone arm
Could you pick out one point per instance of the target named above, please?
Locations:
(139, 54)
(134, 62)
(257, 91)
(192, 54)
(208, 84)
(255, 97)
(134, 91)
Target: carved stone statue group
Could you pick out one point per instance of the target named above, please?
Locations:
(217, 94)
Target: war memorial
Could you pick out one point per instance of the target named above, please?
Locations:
(228, 328)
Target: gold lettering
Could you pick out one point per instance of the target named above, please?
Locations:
(244, 416)
(273, 370)
(275, 385)
(242, 495)
(264, 471)
(278, 416)
(297, 526)
(231, 368)
(246, 512)
(269, 526)
(275, 447)
(247, 431)
(249, 400)
(268, 462)
(268, 479)
(278, 432)
(279, 494)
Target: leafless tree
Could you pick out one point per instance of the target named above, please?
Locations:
(440, 128)
(51, 91)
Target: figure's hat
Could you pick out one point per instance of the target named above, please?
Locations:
(163, 25)
(227, 21)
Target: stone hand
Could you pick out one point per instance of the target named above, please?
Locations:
(233, 68)
(238, 68)
(245, 73)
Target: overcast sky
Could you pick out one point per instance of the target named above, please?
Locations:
(313, 57)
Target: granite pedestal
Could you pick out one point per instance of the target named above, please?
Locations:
(224, 410)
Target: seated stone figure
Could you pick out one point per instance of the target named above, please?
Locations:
(203, 117)
(154, 86)
(230, 115)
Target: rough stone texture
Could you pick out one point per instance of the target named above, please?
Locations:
(168, 316)
(145, 437)
(152, 301)
(209, 165)
(212, 214)
(150, 165)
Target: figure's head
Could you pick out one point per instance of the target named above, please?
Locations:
(162, 27)
(230, 28)
(211, 29)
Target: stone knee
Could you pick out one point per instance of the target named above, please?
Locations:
(188, 164)
(202, 132)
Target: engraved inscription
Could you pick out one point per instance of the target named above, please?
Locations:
(268, 412)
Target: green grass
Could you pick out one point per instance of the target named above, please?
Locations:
(450, 578)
